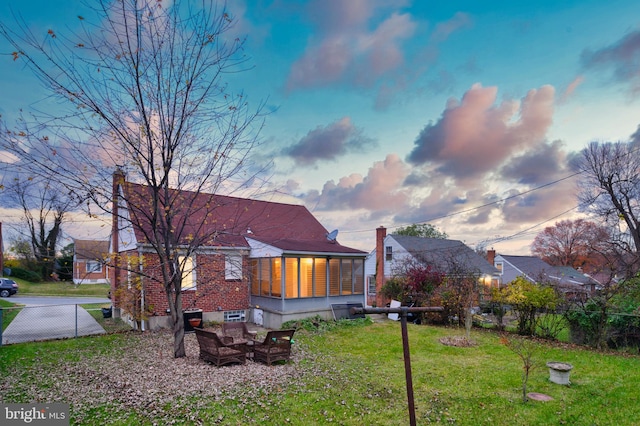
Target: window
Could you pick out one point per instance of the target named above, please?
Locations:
(188, 273)
(94, 266)
(358, 276)
(334, 277)
(276, 277)
(291, 277)
(320, 277)
(232, 267)
(347, 277)
(306, 277)
(371, 280)
(499, 267)
(388, 253)
(265, 277)
(255, 276)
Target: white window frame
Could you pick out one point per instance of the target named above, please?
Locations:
(93, 267)
(232, 266)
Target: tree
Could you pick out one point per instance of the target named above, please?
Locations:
(424, 230)
(576, 243)
(43, 212)
(610, 189)
(527, 300)
(142, 90)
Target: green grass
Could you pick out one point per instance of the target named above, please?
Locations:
(9, 313)
(356, 376)
(60, 288)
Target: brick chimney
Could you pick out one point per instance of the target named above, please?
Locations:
(381, 233)
(491, 256)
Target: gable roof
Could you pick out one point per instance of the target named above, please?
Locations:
(224, 221)
(90, 249)
(531, 266)
(534, 268)
(439, 252)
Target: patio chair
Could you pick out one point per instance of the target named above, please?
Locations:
(276, 346)
(219, 351)
(238, 331)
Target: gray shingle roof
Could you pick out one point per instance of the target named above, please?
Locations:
(441, 253)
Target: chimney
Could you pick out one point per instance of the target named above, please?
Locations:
(118, 180)
(491, 256)
(381, 233)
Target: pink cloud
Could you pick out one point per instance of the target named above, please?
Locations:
(380, 189)
(474, 136)
(444, 29)
(571, 88)
(346, 49)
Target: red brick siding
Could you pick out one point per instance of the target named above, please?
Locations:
(212, 291)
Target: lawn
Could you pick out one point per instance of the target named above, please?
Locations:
(347, 375)
(61, 288)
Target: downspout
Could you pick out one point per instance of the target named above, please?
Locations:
(142, 320)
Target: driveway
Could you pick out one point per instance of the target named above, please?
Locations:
(46, 318)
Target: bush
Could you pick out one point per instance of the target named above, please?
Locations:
(26, 275)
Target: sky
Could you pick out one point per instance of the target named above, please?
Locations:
(460, 114)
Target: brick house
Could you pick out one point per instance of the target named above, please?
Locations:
(89, 262)
(260, 261)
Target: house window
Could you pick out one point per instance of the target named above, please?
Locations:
(94, 266)
(188, 273)
(499, 267)
(232, 267)
(320, 277)
(347, 277)
(358, 276)
(334, 277)
(371, 284)
(388, 253)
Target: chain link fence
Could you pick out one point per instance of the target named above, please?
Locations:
(33, 323)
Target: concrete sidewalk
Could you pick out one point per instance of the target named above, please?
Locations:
(50, 322)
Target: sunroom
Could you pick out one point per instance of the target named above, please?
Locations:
(294, 284)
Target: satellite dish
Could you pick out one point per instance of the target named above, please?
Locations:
(331, 236)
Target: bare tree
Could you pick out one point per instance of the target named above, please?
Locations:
(610, 189)
(43, 212)
(575, 243)
(143, 89)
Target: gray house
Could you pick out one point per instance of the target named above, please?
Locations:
(534, 269)
(447, 256)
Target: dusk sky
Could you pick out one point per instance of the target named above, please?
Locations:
(461, 114)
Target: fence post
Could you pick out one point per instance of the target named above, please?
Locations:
(76, 320)
(1, 324)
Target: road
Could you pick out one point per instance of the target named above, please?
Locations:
(46, 318)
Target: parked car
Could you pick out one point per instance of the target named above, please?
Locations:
(8, 287)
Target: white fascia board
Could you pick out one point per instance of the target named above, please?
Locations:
(260, 249)
(126, 236)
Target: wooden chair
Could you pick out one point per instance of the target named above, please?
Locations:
(275, 347)
(217, 350)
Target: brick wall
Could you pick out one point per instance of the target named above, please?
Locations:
(212, 293)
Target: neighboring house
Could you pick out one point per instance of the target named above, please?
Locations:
(443, 255)
(565, 278)
(89, 262)
(266, 261)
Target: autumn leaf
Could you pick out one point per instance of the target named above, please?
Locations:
(51, 33)
(15, 55)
